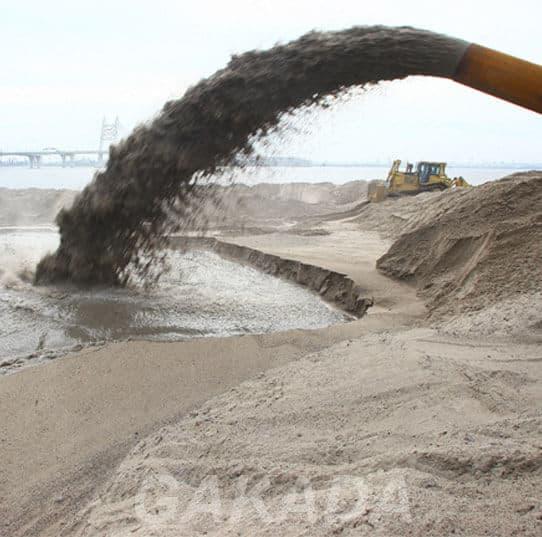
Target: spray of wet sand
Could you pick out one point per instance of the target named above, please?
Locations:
(121, 218)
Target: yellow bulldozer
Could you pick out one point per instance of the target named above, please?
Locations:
(427, 176)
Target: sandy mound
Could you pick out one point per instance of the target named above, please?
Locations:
(326, 194)
(389, 435)
(515, 315)
(235, 204)
(474, 248)
(32, 206)
(265, 207)
(394, 216)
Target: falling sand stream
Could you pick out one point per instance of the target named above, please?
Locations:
(118, 224)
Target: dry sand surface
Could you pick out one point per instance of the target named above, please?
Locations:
(32, 206)
(431, 436)
(474, 248)
(410, 421)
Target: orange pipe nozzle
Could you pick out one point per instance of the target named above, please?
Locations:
(501, 75)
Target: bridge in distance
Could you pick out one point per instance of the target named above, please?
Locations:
(67, 157)
(109, 133)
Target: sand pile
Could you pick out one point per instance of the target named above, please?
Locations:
(121, 218)
(229, 204)
(312, 193)
(387, 435)
(266, 207)
(32, 206)
(393, 216)
(475, 248)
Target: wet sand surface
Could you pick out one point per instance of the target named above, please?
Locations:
(201, 295)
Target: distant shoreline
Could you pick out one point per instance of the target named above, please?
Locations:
(76, 178)
(310, 164)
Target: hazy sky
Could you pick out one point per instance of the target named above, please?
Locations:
(66, 64)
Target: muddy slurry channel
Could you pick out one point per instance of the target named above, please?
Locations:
(200, 295)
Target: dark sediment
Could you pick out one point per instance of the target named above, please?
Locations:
(121, 218)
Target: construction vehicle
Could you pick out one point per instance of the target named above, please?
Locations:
(426, 177)
(486, 70)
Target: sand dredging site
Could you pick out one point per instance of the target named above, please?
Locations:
(117, 225)
(428, 406)
(422, 417)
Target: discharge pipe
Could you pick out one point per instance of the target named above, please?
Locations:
(500, 75)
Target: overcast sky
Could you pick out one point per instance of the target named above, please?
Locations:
(66, 64)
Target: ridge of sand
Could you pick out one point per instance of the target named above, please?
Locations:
(331, 286)
(240, 203)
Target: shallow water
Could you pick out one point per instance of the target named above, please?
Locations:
(202, 295)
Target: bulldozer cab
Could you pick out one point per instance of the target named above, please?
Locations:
(425, 170)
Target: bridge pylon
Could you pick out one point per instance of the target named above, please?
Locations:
(109, 133)
(34, 161)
